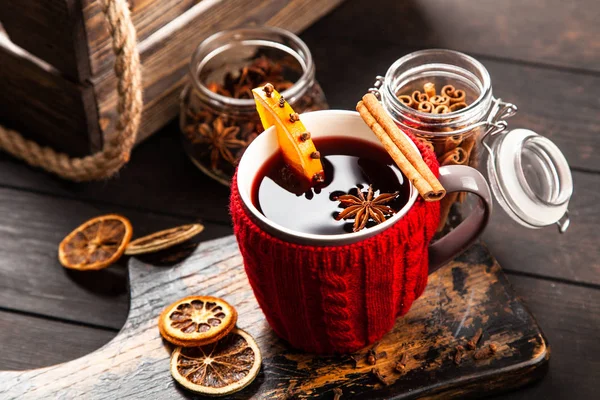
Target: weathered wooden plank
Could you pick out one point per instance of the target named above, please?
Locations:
(573, 256)
(166, 55)
(570, 318)
(159, 178)
(41, 104)
(32, 225)
(31, 342)
(469, 293)
(50, 29)
(569, 315)
(561, 33)
(148, 16)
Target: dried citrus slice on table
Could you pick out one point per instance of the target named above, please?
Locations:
(197, 320)
(163, 239)
(218, 369)
(297, 147)
(96, 244)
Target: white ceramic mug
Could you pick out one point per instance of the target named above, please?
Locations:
(340, 123)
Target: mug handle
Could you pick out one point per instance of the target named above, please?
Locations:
(460, 178)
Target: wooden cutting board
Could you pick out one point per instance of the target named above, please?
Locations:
(468, 293)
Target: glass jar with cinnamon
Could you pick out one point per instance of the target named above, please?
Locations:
(445, 98)
(218, 118)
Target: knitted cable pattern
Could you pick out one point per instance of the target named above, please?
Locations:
(334, 291)
(337, 299)
(117, 146)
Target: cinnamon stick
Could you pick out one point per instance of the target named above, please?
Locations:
(457, 106)
(441, 109)
(456, 156)
(452, 142)
(468, 146)
(418, 97)
(429, 89)
(448, 91)
(459, 96)
(407, 100)
(400, 148)
(440, 100)
(425, 106)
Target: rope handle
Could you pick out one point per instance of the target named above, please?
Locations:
(117, 145)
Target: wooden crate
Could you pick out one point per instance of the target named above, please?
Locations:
(57, 84)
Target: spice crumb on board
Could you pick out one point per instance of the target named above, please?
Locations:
(381, 378)
(371, 357)
(472, 344)
(486, 352)
(460, 351)
(401, 364)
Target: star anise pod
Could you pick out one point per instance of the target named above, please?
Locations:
(363, 208)
(219, 140)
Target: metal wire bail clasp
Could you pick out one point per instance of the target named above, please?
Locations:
(496, 120)
(375, 89)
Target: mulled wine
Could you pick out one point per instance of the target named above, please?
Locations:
(351, 166)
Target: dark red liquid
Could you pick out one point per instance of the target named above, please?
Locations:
(279, 194)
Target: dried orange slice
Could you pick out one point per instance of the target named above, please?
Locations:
(297, 147)
(96, 244)
(197, 321)
(163, 239)
(218, 369)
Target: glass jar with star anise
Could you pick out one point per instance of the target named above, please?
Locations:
(218, 115)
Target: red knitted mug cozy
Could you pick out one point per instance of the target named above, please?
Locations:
(338, 299)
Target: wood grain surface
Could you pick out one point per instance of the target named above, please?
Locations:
(36, 99)
(550, 32)
(166, 56)
(53, 30)
(467, 294)
(169, 33)
(30, 342)
(32, 232)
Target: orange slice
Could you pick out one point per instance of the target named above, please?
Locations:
(163, 239)
(197, 321)
(96, 244)
(297, 147)
(218, 369)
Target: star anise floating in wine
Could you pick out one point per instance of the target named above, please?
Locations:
(363, 209)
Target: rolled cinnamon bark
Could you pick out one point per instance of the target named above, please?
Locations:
(442, 109)
(448, 91)
(440, 100)
(469, 143)
(407, 100)
(456, 156)
(452, 142)
(453, 157)
(400, 148)
(425, 106)
(429, 89)
(418, 97)
(457, 106)
(459, 97)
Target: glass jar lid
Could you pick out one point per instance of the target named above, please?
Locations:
(530, 178)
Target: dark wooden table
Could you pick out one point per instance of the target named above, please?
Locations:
(542, 55)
